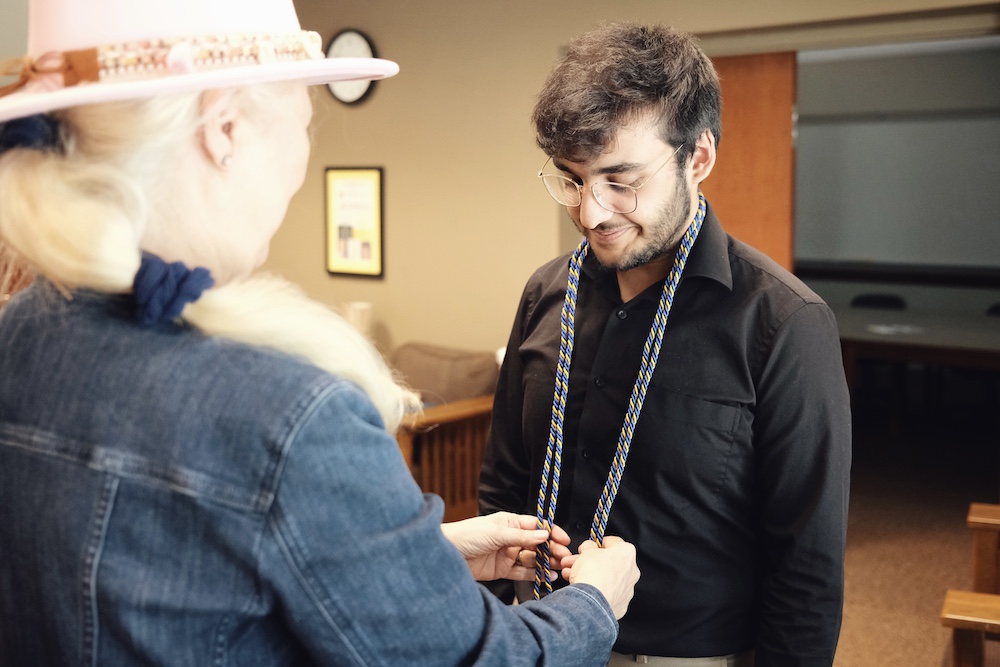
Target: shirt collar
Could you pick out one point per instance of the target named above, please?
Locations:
(709, 258)
(710, 255)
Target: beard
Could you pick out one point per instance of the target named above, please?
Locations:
(663, 235)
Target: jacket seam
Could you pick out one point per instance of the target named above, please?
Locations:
(92, 561)
(297, 418)
(305, 580)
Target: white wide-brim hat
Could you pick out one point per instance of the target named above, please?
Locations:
(89, 51)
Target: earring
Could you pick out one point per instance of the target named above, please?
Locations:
(224, 162)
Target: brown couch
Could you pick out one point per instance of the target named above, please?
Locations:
(445, 374)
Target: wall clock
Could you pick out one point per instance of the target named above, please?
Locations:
(350, 43)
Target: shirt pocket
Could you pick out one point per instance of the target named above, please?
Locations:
(693, 451)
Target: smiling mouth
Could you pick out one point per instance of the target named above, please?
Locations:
(609, 234)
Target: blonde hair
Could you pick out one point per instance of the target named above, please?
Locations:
(77, 218)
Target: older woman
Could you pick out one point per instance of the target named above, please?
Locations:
(197, 465)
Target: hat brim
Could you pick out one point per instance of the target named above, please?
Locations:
(311, 72)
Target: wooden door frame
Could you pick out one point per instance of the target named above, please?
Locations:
(934, 24)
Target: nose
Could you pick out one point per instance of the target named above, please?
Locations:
(590, 210)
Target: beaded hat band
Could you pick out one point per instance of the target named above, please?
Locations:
(90, 51)
(138, 60)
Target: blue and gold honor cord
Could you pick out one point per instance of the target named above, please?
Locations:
(548, 490)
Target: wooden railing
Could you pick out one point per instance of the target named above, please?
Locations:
(444, 448)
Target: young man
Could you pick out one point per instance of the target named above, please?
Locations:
(700, 400)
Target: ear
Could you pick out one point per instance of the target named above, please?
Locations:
(218, 116)
(703, 158)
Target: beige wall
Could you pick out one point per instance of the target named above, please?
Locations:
(465, 220)
(13, 28)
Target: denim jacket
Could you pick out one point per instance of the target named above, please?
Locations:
(170, 498)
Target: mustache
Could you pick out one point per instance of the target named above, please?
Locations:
(608, 228)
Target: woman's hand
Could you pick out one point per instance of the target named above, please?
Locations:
(502, 545)
(612, 570)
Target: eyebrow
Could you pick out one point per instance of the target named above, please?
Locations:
(620, 168)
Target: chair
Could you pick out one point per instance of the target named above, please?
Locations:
(977, 389)
(444, 448)
(984, 520)
(443, 445)
(974, 616)
(13, 278)
(875, 300)
(974, 619)
(868, 369)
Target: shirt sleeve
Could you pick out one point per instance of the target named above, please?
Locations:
(802, 436)
(506, 471)
(504, 478)
(359, 562)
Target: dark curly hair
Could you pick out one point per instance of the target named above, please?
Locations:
(617, 73)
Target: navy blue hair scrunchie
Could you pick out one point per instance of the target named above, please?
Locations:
(162, 290)
(40, 132)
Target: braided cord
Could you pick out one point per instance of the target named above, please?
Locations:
(545, 511)
(546, 506)
(650, 354)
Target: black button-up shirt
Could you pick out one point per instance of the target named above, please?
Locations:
(736, 486)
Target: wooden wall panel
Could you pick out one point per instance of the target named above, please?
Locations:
(751, 188)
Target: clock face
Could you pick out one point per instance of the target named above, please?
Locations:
(350, 43)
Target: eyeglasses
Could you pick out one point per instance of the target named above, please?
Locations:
(614, 197)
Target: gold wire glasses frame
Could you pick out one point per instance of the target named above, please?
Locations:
(614, 197)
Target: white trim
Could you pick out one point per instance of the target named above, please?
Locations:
(989, 42)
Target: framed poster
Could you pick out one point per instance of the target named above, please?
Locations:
(354, 221)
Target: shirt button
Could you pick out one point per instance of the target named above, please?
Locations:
(580, 525)
(585, 454)
(599, 382)
(622, 313)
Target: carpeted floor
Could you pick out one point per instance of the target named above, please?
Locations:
(916, 469)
